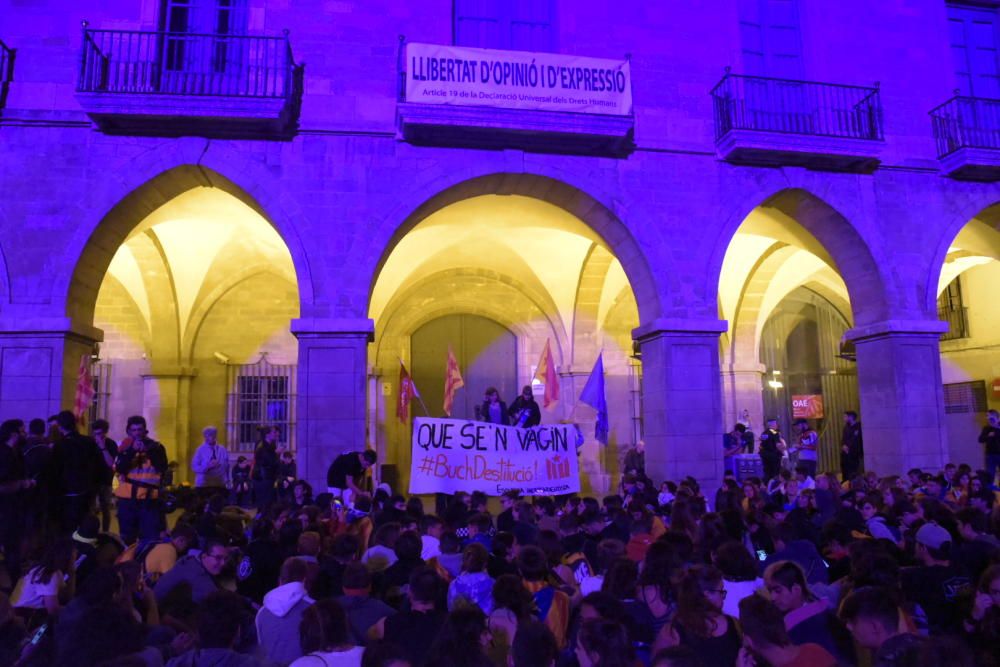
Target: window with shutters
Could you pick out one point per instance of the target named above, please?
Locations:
(965, 397)
(522, 25)
(972, 32)
(952, 310)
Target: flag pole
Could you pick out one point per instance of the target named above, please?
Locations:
(419, 397)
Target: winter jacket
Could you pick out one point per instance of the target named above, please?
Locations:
(278, 622)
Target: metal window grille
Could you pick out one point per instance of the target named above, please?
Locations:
(101, 377)
(260, 394)
(965, 397)
(952, 310)
(635, 397)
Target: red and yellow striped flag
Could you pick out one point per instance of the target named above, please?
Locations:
(84, 392)
(546, 374)
(452, 382)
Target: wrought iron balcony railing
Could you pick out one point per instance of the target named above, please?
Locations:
(966, 122)
(6, 63)
(957, 318)
(170, 63)
(786, 106)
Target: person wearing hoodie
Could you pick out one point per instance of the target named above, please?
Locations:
(279, 618)
(219, 621)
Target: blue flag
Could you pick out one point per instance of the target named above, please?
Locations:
(593, 395)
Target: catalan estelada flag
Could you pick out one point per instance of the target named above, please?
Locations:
(452, 382)
(546, 374)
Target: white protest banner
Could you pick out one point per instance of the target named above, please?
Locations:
(459, 455)
(462, 76)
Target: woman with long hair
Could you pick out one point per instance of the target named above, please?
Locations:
(655, 586)
(682, 517)
(700, 623)
(604, 643)
(462, 641)
(325, 638)
(512, 606)
(43, 586)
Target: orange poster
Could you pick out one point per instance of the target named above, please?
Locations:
(807, 406)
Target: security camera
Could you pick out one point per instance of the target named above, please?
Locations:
(221, 358)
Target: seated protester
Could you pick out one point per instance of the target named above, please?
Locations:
(765, 637)
(806, 482)
(935, 584)
(835, 540)
(85, 540)
(533, 646)
(307, 549)
(302, 495)
(103, 588)
(461, 641)
(982, 625)
(552, 604)
(473, 585)
(501, 560)
(431, 529)
(640, 537)
(258, 569)
(47, 584)
(571, 533)
(392, 583)
(358, 520)
(525, 531)
(877, 522)
(381, 554)
(512, 606)
(676, 656)
(654, 589)
(278, 620)
(873, 616)
(450, 560)
(158, 558)
(385, 654)
(12, 633)
(789, 545)
(415, 629)
(602, 643)
(362, 610)
(739, 575)
(978, 548)
(608, 551)
(329, 582)
(325, 638)
(593, 532)
(699, 622)
(196, 572)
(505, 520)
(807, 619)
(219, 620)
(479, 527)
(105, 634)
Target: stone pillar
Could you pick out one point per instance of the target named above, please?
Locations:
(902, 403)
(681, 399)
(741, 390)
(331, 403)
(39, 362)
(166, 405)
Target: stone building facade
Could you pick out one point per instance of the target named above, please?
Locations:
(188, 233)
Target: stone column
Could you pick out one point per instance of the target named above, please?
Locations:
(681, 399)
(331, 403)
(39, 362)
(902, 403)
(166, 405)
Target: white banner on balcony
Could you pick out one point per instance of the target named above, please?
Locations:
(461, 76)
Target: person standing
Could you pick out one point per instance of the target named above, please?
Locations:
(77, 462)
(990, 439)
(345, 473)
(493, 410)
(524, 411)
(265, 468)
(140, 466)
(210, 463)
(772, 446)
(14, 485)
(851, 447)
(635, 459)
(109, 452)
(808, 447)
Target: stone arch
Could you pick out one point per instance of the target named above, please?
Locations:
(143, 187)
(599, 212)
(586, 309)
(987, 210)
(854, 255)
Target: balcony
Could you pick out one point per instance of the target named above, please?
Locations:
(184, 84)
(6, 71)
(967, 132)
(766, 121)
(957, 318)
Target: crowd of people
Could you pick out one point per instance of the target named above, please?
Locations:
(795, 568)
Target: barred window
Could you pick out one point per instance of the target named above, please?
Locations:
(260, 394)
(101, 377)
(965, 397)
